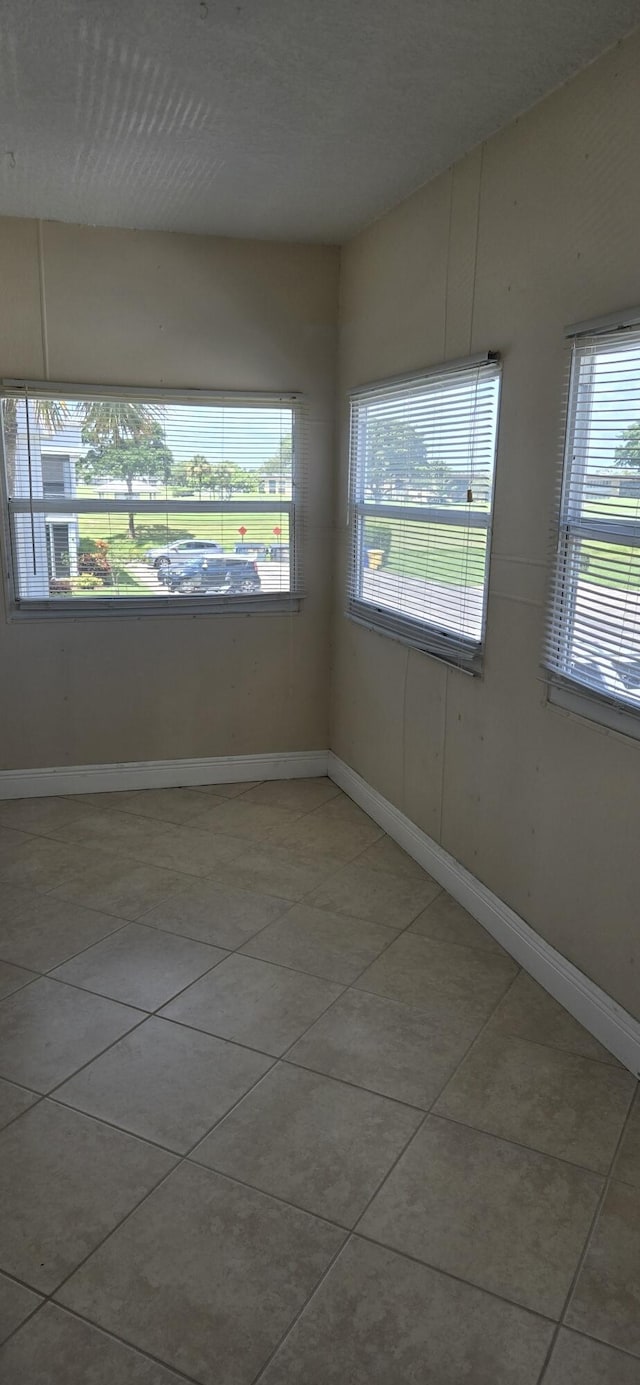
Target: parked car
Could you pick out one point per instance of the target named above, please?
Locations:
(617, 678)
(254, 550)
(279, 552)
(178, 552)
(224, 572)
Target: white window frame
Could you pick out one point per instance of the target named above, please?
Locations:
(563, 691)
(17, 609)
(457, 650)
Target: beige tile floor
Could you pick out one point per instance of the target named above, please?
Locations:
(275, 1109)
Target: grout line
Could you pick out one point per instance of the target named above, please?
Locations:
(457, 1278)
(347, 1082)
(517, 1144)
(105, 1331)
(284, 1058)
(260, 1373)
(354, 1231)
(24, 1321)
(423, 1264)
(579, 1332)
(587, 1246)
(179, 1159)
(252, 1187)
(129, 1004)
(610, 1062)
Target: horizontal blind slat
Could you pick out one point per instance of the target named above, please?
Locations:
(593, 630)
(110, 490)
(422, 459)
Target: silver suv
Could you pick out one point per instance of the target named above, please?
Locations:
(180, 552)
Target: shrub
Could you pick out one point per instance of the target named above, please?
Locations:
(378, 537)
(86, 582)
(93, 560)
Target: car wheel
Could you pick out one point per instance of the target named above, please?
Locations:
(186, 585)
(248, 586)
(161, 562)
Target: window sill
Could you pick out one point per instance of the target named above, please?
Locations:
(109, 608)
(466, 658)
(590, 707)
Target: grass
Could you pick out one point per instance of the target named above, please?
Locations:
(449, 554)
(223, 529)
(434, 552)
(123, 551)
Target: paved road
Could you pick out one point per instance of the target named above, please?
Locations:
(454, 607)
(273, 577)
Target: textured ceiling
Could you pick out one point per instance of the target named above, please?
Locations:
(297, 119)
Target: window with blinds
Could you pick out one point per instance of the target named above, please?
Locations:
(593, 634)
(421, 483)
(132, 500)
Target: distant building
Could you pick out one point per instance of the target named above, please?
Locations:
(275, 485)
(46, 543)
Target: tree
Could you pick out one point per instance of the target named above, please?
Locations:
(126, 441)
(226, 478)
(49, 415)
(281, 461)
(628, 454)
(396, 456)
(199, 473)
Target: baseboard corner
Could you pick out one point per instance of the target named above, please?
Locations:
(607, 1021)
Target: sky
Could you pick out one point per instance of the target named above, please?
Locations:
(248, 437)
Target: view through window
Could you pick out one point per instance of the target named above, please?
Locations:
(126, 497)
(593, 639)
(422, 461)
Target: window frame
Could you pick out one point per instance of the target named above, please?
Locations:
(454, 649)
(77, 608)
(565, 692)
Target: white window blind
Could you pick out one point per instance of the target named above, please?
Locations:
(593, 634)
(421, 483)
(133, 500)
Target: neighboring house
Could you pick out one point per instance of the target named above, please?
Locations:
(47, 549)
(47, 544)
(61, 531)
(276, 485)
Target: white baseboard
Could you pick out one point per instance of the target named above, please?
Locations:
(161, 774)
(592, 1007)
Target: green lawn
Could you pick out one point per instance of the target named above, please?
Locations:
(435, 552)
(150, 533)
(123, 552)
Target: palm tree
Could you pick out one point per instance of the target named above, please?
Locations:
(112, 423)
(106, 424)
(128, 432)
(199, 472)
(50, 415)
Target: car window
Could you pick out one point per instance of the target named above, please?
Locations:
(629, 672)
(589, 672)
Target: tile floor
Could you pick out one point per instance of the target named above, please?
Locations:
(275, 1109)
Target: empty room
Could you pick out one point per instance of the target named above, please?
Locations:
(319, 692)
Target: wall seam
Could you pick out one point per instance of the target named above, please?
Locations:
(43, 303)
(475, 255)
(443, 780)
(446, 270)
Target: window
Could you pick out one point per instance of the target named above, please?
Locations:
(148, 501)
(593, 636)
(421, 481)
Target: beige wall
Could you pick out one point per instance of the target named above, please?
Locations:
(153, 309)
(538, 229)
